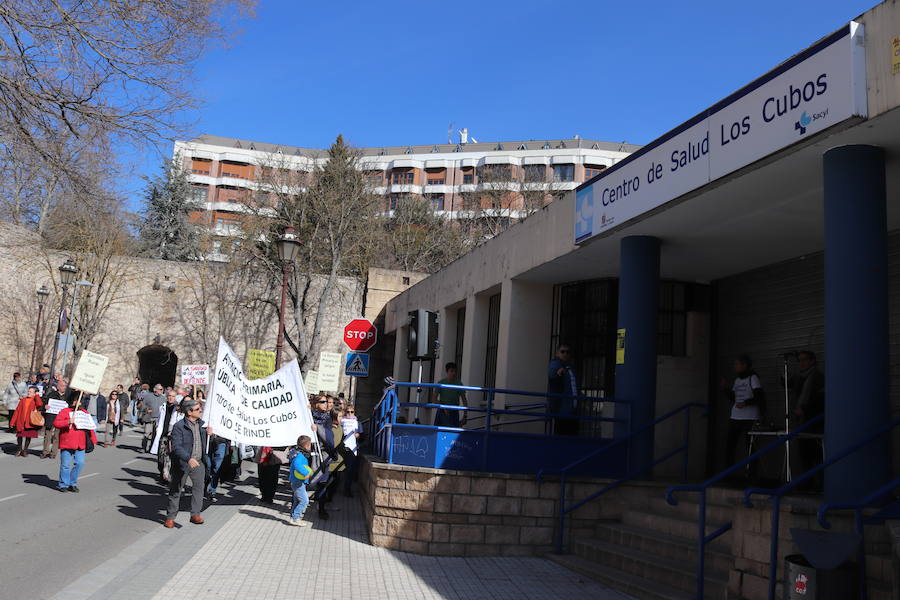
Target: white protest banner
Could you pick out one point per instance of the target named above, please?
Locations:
(271, 411)
(330, 364)
(54, 407)
(89, 372)
(312, 382)
(84, 420)
(195, 375)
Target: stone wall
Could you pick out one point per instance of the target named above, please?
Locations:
(188, 312)
(463, 513)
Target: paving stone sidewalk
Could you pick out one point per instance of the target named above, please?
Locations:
(256, 554)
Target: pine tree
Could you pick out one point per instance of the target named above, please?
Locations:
(166, 232)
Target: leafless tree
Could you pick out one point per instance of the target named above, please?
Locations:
(415, 238)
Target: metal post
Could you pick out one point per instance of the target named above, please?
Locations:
(787, 424)
(37, 332)
(773, 545)
(279, 345)
(62, 307)
(418, 395)
(701, 546)
(65, 359)
(687, 444)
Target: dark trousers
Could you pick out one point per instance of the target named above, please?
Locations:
(197, 475)
(268, 481)
(737, 440)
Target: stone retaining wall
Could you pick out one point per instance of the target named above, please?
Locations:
(463, 513)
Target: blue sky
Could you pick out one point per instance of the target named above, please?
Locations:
(398, 73)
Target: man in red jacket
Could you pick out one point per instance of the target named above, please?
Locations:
(72, 444)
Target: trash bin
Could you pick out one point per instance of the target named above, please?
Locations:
(803, 581)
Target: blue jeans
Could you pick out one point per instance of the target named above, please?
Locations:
(217, 457)
(132, 409)
(70, 464)
(301, 499)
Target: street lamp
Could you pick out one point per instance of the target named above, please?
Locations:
(67, 272)
(78, 284)
(42, 294)
(288, 247)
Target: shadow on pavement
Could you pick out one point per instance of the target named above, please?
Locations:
(39, 479)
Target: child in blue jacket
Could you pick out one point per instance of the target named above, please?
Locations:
(300, 472)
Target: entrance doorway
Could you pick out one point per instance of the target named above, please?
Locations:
(157, 364)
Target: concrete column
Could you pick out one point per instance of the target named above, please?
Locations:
(638, 313)
(856, 319)
(475, 343)
(526, 311)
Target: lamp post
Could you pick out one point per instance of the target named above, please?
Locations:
(288, 246)
(78, 284)
(67, 272)
(42, 294)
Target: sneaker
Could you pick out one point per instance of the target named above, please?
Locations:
(74, 488)
(293, 521)
(303, 523)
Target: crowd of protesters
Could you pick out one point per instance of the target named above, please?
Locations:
(186, 449)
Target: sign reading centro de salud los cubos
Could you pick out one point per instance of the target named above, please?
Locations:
(818, 88)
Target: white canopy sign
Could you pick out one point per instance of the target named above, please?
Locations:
(271, 411)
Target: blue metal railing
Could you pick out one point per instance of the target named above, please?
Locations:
(704, 539)
(685, 447)
(387, 410)
(777, 495)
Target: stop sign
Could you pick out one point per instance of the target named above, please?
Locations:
(360, 335)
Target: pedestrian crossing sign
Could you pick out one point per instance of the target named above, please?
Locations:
(357, 364)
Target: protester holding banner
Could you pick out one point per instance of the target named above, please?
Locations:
(168, 416)
(188, 442)
(75, 437)
(26, 429)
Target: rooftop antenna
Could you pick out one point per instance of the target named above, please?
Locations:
(450, 132)
(464, 135)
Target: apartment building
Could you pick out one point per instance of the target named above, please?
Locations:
(459, 180)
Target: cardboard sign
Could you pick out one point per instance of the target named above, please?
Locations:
(272, 411)
(260, 363)
(89, 372)
(312, 382)
(84, 420)
(620, 346)
(54, 407)
(330, 364)
(195, 374)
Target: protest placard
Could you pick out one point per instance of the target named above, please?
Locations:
(260, 363)
(54, 407)
(89, 372)
(84, 420)
(330, 364)
(312, 382)
(195, 375)
(271, 411)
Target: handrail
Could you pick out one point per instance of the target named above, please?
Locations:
(866, 502)
(778, 493)
(563, 510)
(471, 388)
(702, 538)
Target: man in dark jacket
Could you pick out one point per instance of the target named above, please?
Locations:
(188, 447)
(562, 380)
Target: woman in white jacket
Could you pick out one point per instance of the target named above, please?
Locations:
(14, 391)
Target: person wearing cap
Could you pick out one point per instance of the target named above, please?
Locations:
(189, 439)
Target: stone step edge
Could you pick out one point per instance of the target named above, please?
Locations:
(681, 567)
(710, 527)
(688, 544)
(615, 579)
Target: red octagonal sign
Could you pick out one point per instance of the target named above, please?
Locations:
(360, 335)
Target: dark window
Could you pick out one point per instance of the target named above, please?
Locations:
(402, 177)
(493, 337)
(489, 173)
(393, 202)
(672, 326)
(564, 172)
(437, 201)
(436, 180)
(591, 171)
(468, 178)
(460, 336)
(535, 173)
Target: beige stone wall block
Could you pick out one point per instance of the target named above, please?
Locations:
(444, 549)
(470, 505)
(536, 535)
(489, 486)
(504, 506)
(522, 489)
(520, 521)
(391, 479)
(421, 482)
(420, 501)
(440, 532)
(450, 518)
(485, 519)
(517, 550)
(494, 534)
(482, 550)
(382, 497)
(538, 507)
(467, 534)
(424, 532)
(453, 484)
(414, 546)
(443, 503)
(384, 541)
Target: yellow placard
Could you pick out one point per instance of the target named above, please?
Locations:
(260, 363)
(620, 346)
(895, 56)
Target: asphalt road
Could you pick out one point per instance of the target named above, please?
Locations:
(49, 539)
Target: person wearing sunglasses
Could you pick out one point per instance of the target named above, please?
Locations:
(562, 380)
(189, 439)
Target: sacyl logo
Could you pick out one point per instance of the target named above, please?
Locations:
(806, 119)
(802, 123)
